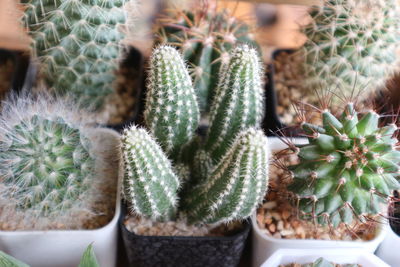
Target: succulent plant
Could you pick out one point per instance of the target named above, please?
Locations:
(205, 38)
(215, 186)
(78, 45)
(351, 45)
(8, 261)
(349, 167)
(47, 168)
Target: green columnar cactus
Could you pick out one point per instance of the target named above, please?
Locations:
(8, 261)
(238, 103)
(47, 165)
(77, 43)
(150, 183)
(213, 190)
(89, 258)
(236, 185)
(351, 45)
(172, 113)
(205, 39)
(348, 168)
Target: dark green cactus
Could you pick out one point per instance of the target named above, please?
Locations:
(213, 190)
(349, 167)
(78, 45)
(205, 39)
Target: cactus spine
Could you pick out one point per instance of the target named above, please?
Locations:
(205, 38)
(351, 45)
(238, 102)
(47, 163)
(214, 190)
(348, 168)
(77, 43)
(172, 112)
(154, 191)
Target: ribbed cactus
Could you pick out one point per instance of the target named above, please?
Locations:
(351, 45)
(172, 113)
(150, 183)
(77, 43)
(348, 168)
(47, 168)
(213, 190)
(8, 261)
(205, 38)
(236, 185)
(89, 258)
(238, 102)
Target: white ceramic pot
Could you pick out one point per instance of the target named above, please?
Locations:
(389, 249)
(340, 256)
(263, 246)
(64, 248)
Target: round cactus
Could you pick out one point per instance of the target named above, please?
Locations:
(348, 168)
(77, 43)
(205, 38)
(351, 45)
(46, 165)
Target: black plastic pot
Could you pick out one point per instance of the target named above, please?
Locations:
(178, 251)
(21, 77)
(394, 214)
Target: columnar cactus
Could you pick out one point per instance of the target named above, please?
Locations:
(150, 184)
(77, 43)
(348, 168)
(213, 190)
(235, 184)
(172, 112)
(351, 45)
(47, 168)
(205, 38)
(238, 102)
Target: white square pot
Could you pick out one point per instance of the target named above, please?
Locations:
(64, 248)
(389, 249)
(340, 256)
(263, 246)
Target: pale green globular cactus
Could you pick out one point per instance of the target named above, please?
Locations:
(349, 167)
(351, 46)
(235, 185)
(215, 188)
(78, 46)
(172, 113)
(205, 38)
(150, 183)
(47, 168)
(238, 102)
(8, 261)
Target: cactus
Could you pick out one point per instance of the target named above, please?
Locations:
(8, 261)
(89, 258)
(154, 192)
(151, 182)
(238, 103)
(205, 38)
(172, 113)
(348, 168)
(351, 45)
(47, 167)
(236, 185)
(77, 43)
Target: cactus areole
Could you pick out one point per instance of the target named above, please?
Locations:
(349, 167)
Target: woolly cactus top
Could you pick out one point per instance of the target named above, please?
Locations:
(78, 44)
(350, 166)
(352, 43)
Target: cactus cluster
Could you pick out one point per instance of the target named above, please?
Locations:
(205, 38)
(78, 45)
(349, 167)
(351, 45)
(47, 168)
(219, 177)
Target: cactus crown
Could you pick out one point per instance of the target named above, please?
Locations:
(47, 167)
(205, 38)
(349, 167)
(77, 43)
(215, 186)
(352, 44)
